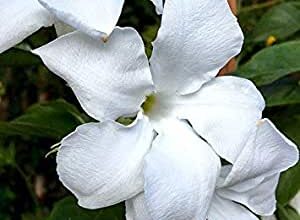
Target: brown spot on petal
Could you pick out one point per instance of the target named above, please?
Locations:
(104, 38)
(259, 122)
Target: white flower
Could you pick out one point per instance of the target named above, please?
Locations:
(105, 163)
(294, 203)
(21, 18)
(253, 178)
(250, 181)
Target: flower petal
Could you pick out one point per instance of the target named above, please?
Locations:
(271, 217)
(257, 196)
(101, 163)
(196, 39)
(223, 112)
(267, 152)
(96, 18)
(180, 174)
(223, 209)
(158, 6)
(19, 19)
(295, 202)
(254, 176)
(136, 208)
(62, 28)
(109, 79)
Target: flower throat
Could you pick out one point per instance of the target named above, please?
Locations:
(149, 103)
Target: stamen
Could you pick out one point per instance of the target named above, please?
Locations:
(51, 152)
(54, 148)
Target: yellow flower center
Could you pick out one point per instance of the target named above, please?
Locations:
(149, 104)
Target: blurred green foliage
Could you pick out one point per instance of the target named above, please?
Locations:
(38, 109)
(67, 207)
(272, 63)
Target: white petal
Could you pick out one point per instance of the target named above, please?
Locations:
(271, 217)
(96, 18)
(159, 7)
(257, 196)
(136, 208)
(254, 175)
(62, 28)
(223, 209)
(223, 112)
(295, 203)
(267, 152)
(109, 79)
(101, 163)
(195, 41)
(180, 174)
(19, 19)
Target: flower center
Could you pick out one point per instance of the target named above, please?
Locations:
(149, 104)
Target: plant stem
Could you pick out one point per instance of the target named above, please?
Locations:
(259, 6)
(28, 185)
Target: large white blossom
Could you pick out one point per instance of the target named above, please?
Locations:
(21, 18)
(163, 166)
(250, 181)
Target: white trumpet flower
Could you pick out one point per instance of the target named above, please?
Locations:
(159, 154)
(249, 183)
(21, 18)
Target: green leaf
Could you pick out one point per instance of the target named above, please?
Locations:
(7, 196)
(280, 21)
(68, 209)
(53, 119)
(17, 57)
(148, 36)
(287, 119)
(7, 155)
(287, 213)
(289, 185)
(31, 216)
(282, 92)
(272, 63)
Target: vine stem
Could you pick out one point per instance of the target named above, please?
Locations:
(28, 185)
(259, 6)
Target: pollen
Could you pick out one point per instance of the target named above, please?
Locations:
(271, 40)
(149, 103)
